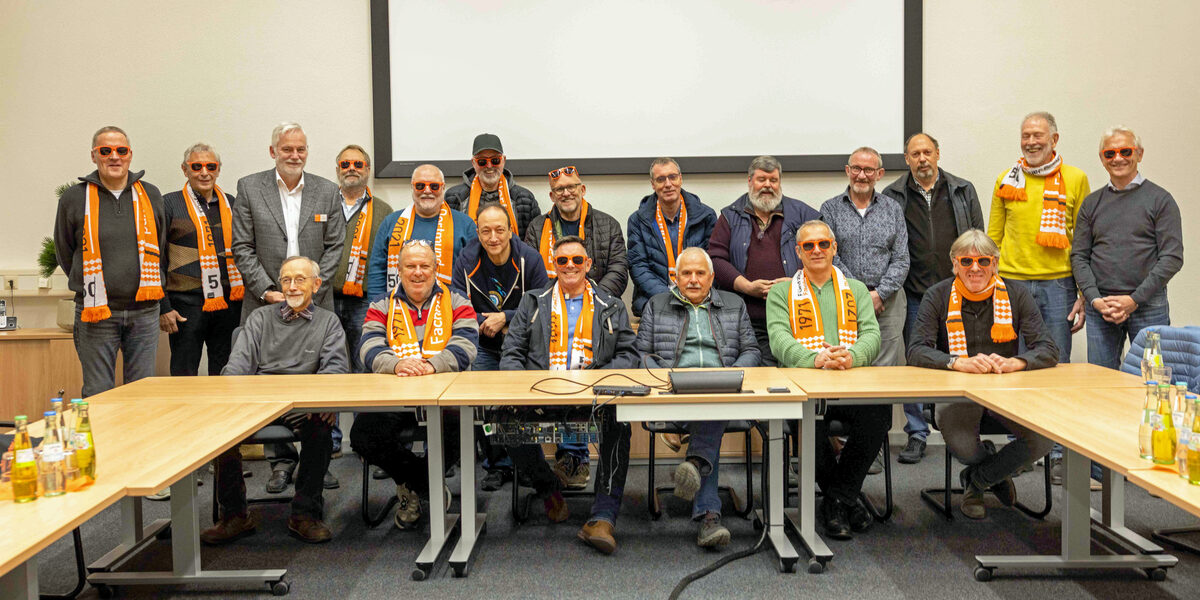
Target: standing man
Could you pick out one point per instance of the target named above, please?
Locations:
(665, 223)
(429, 218)
(1128, 245)
(938, 207)
(752, 244)
(821, 319)
(873, 246)
(284, 212)
(487, 180)
(108, 236)
(1034, 205)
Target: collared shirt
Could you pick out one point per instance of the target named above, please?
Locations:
(927, 194)
(349, 210)
(1137, 181)
(764, 225)
(872, 245)
(673, 225)
(574, 308)
(290, 199)
(289, 315)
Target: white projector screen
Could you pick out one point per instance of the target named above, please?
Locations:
(609, 85)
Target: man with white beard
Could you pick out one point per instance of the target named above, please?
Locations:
(753, 243)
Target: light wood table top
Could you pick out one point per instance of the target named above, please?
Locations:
(30, 527)
(1101, 423)
(1167, 484)
(513, 387)
(916, 382)
(358, 390)
(53, 333)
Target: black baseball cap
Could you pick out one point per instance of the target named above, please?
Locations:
(486, 141)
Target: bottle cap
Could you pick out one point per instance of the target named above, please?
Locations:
(1181, 383)
(49, 413)
(82, 403)
(21, 417)
(1190, 396)
(77, 401)
(1151, 382)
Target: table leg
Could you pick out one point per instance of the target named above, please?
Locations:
(441, 523)
(804, 518)
(1111, 517)
(1076, 534)
(774, 509)
(473, 523)
(21, 583)
(134, 536)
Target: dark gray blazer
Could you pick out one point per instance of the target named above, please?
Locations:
(260, 239)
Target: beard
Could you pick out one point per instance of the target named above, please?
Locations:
(294, 301)
(765, 200)
(351, 180)
(489, 179)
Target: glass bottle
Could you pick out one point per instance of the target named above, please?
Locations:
(54, 477)
(1163, 437)
(1183, 408)
(85, 451)
(66, 433)
(1151, 355)
(24, 470)
(1145, 448)
(1193, 453)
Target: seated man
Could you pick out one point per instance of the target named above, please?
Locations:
(421, 328)
(289, 338)
(575, 324)
(694, 325)
(971, 324)
(825, 320)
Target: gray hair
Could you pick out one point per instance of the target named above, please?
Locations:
(812, 224)
(919, 133)
(282, 129)
(357, 148)
(434, 167)
(869, 150)
(200, 147)
(766, 164)
(664, 160)
(1045, 116)
(690, 250)
(108, 129)
(313, 268)
(1114, 130)
(977, 240)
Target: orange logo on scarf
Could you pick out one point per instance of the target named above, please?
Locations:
(1002, 327)
(806, 313)
(579, 355)
(443, 245)
(210, 266)
(402, 334)
(546, 243)
(356, 268)
(95, 294)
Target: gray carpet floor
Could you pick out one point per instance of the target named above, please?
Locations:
(917, 554)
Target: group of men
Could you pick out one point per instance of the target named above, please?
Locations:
(297, 274)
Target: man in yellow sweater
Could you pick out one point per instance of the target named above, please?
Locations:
(1034, 204)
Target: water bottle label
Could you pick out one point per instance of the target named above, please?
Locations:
(1156, 422)
(24, 456)
(1194, 443)
(52, 452)
(1177, 418)
(81, 441)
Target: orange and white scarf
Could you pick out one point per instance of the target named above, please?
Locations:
(1052, 232)
(356, 268)
(1002, 326)
(210, 265)
(579, 355)
(402, 334)
(505, 201)
(806, 314)
(443, 245)
(672, 253)
(95, 295)
(546, 242)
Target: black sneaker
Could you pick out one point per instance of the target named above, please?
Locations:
(833, 515)
(913, 452)
(495, 479)
(859, 517)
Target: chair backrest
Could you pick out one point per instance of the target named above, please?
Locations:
(1180, 350)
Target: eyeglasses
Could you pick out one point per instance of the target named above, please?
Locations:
(661, 179)
(288, 281)
(1112, 153)
(358, 164)
(855, 170)
(810, 245)
(495, 160)
(555, 174)
(578, 259)
(433, 185)
(558, 191)
(417, 242)
(196, 166)
(966, 261)
(106, 150)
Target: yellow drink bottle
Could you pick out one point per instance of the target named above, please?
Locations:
(1193, 451)
(24, 469)
(1145, 448)
(1163, 437)
(85, 451)
(54, 476)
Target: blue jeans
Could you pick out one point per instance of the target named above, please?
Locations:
(915, 425)
(614, 466)
(1106, 341)
(133, 332)
(351, 312)
(705, 445)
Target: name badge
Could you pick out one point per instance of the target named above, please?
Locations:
(320, 218)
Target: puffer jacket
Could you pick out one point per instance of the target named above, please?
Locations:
(665, 321)
(527, 344)
(647, 255)
(525, 205)
(604, 242)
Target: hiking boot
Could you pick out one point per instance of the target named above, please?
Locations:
(308, 529)
(599, 535)
(228, 529)
(833, 516)
(712, 534)
(687, 479)
(408, 509)
(913, 452)
(972, 500)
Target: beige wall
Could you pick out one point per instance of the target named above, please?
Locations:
(229, 73)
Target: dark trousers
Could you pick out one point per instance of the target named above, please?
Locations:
(867, 428)
(213, 330)
(376, 437)
(351, 311)
(764, 344)
(315, 447)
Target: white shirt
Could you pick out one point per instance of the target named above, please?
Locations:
(291, 212)
(1137, 181)
(348, 210)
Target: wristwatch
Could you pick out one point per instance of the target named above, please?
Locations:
(950, 364)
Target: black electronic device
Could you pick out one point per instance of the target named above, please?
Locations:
(541, 425)
(706, 382)
(621, 390)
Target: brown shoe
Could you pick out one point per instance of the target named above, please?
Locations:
(228, 529)
(308, 529)
(556, 508)
(599, 535)
(674, 441)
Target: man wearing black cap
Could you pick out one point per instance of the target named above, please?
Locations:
(488, 181)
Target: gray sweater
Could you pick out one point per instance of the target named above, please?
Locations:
(267, 345)
(1127, 242)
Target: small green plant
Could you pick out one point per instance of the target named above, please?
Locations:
(47, 260)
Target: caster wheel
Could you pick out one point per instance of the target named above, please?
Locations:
(459, 570)
(983, 574)
(105, 591)
(419, 574)
(280, 588)
(1157, 574)
(815, 566)
(787, 566)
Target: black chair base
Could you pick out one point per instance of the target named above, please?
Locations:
(940, 498)
(835, 429)
(741, 509)
(1174, 537)
(270, 434)
(520, 506)
(373, 520)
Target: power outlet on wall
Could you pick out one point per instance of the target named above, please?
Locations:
(10, 283)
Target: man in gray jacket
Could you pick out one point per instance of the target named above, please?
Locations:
(693, 325)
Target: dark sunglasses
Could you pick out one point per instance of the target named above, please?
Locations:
(1125, 152)
(555, 174)
(433, 185)
(196, 166)
(106, 150)
(578, 259)
(358, 164)
(966, 261)
(811, 245)
(495, 160)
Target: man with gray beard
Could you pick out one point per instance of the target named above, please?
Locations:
(753, 243)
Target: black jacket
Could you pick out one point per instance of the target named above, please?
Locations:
(525, 206)
(664, 324)
(527, 345)
(605, 245)
(469, 281)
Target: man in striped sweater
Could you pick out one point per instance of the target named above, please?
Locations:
(419, 328)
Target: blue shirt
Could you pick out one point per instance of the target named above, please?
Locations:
(574, 307)
(423, 229)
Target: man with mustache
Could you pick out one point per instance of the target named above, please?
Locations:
(752, 245)
(488, 181)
